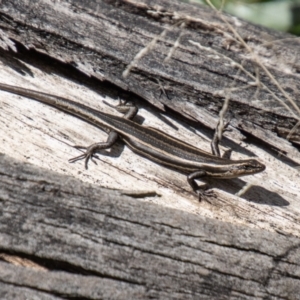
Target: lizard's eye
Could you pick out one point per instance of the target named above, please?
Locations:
(245, 167)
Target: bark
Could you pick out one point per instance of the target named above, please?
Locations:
(64, 235)
(67, 239)
(205, 58)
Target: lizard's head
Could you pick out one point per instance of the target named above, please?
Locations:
(247, 167)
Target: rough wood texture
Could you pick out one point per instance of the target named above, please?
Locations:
(103, 38)
(90, 243)
(100, 243)
(34, 133)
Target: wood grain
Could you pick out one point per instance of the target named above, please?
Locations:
(68, 232)
(102, 38)
(94, 244)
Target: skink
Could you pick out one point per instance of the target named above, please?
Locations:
(146, 141)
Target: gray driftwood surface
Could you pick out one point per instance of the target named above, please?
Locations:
(90, 243)
(103, 38)
(67, 232)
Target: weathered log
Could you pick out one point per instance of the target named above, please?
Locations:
(66, 238)
(191, 51)
(75, 240)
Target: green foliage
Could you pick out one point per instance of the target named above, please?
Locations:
(283, 15)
